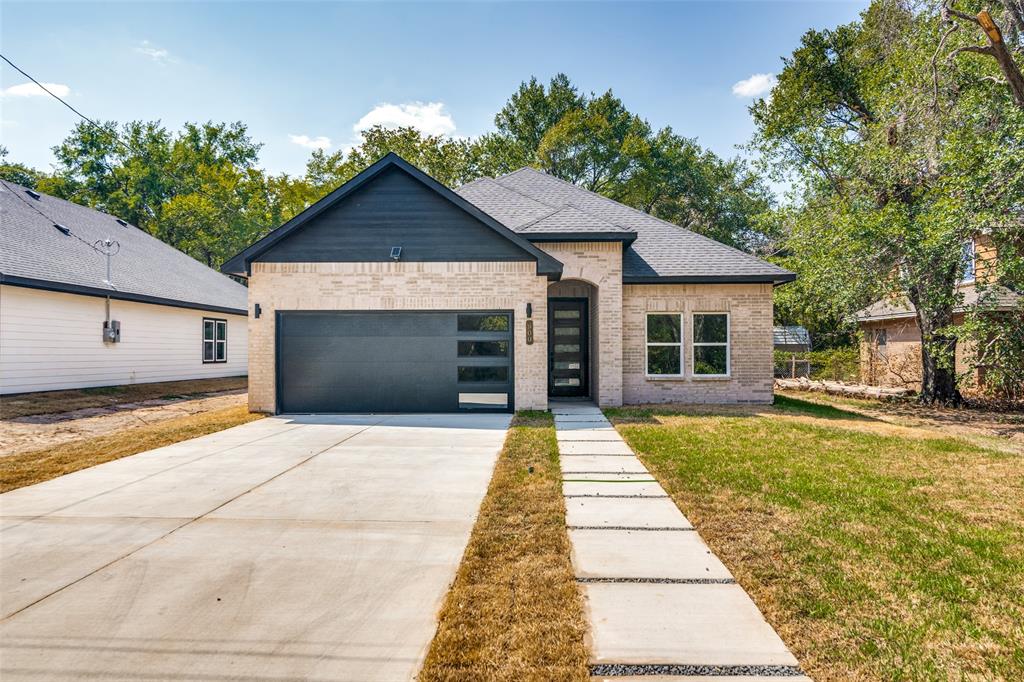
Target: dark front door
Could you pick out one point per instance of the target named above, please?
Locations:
(567, 347)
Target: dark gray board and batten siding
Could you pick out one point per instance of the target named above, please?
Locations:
(393, 210)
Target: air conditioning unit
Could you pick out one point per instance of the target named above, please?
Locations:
(111, 331)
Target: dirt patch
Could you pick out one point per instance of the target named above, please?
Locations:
(38, 431)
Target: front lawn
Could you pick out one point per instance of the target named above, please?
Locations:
(514, 611)
(878, 551)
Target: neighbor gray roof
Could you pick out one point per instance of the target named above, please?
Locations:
(35, 253)
(791, 336)
(992, 297)
(529, 201)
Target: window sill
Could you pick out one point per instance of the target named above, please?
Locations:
(712, 377)
(665, 377)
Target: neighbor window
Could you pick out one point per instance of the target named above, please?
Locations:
(967, 254)
(215, 340)
(711, 344)
(664, 344)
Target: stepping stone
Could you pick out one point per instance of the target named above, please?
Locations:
(680, 624)
(599, 488)
(575, 424)
(643, 554)
(699, 678)
(601, 464)
(610, 477)
(638, 512)
(609, 448)
(569, 408)
(580, 419)
(588, 435)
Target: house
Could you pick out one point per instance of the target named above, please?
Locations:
(395, 293)
(791, 339)
(890, 347)
(65, 322)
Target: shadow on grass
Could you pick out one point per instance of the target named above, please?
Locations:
(784, 405)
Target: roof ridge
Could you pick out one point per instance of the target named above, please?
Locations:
(550, 213)
(743, 253)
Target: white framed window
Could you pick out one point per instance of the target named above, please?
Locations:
(710, 352)
(664, 350)
(215, 340)
(967, 255)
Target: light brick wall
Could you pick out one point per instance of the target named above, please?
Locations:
(400, 286)
(600, 265)
(750, 312)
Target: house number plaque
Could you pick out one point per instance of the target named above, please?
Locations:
(529, 332)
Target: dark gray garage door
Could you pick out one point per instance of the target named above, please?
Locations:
(394, 361)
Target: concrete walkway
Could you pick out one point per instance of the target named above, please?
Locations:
(659, 602)
(305, 548)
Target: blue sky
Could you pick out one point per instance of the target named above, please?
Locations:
(308, 74)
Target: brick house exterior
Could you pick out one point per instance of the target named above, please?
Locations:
(497, 296)
(890, 345)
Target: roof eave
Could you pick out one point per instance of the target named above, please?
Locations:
(82, 290)
(626, 238)
(776, 278)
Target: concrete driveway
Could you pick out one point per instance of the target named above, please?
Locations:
(312, 548)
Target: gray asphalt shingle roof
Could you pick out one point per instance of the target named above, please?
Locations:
(661, 250)
(32, 248)
(993, 297)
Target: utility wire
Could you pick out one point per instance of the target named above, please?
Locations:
(114, 136)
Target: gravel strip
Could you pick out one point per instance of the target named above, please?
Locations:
(630, 528)
(627, 669)
(665, 581)
(653, 497)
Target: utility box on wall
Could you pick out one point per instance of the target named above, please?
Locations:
(112, 331)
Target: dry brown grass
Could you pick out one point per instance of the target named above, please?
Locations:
(514, 611)
(50, 402)
(37, 466)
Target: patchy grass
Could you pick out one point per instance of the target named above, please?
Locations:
(514, 611)
(50, 402)
(877, 551)
(27, 468)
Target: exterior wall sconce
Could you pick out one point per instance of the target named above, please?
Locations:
(257, 311)
(396, 252)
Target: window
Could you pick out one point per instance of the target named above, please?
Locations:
(483, 323)
(664, 344)
(967, 255)
(215, 340)
(483, 374)
(711, 344)
(473, 349)
(881, 337)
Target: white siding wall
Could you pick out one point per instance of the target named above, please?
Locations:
(51, 341)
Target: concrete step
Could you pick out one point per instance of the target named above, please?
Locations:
(601, 463)
(644, 554)
(617, 447)
(706, 625)
(638, 512)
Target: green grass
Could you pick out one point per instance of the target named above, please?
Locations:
(878, 553)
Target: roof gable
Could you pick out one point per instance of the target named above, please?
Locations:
(391, 204)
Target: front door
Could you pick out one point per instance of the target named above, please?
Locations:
(567, 347)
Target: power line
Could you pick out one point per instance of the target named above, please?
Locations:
(114, 136)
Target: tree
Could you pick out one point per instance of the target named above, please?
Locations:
(18, 172)
(893, 169)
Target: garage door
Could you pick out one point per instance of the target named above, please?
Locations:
(394, 361)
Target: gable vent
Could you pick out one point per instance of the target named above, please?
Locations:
(32, 193)
(65, 230)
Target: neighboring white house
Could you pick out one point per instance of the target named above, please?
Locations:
(171, 317)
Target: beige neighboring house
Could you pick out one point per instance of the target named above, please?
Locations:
(395, 293)
(890, 348)
(170, 316)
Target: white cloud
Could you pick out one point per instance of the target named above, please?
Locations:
(755, 86)
(33, 90)
(429, 117)
(157, 54)
(319, 142)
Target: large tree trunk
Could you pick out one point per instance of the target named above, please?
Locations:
(938, 353)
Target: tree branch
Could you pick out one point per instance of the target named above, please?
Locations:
(996, 48)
